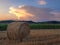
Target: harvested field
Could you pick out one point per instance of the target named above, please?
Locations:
(36, 37)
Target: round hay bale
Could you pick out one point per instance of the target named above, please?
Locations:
(18, 30)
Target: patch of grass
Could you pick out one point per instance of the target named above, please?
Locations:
(35, 26)
(3, 27)
(45, 26)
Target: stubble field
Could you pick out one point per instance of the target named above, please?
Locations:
(36, 37)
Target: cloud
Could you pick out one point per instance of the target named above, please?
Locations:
(21, 6)
(35, 14)
(42, 2)
(21, 14)
(29, 13)
(55, 15)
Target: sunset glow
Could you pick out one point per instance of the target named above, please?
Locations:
(19, 12)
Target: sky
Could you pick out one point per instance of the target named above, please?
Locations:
(35, 10)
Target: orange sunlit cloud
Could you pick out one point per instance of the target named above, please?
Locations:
(20, 13)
